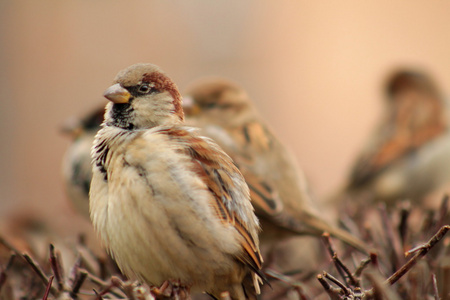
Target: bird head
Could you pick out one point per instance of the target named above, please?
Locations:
(143, 96)
(216, 99)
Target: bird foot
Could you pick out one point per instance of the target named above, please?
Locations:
(172, 289)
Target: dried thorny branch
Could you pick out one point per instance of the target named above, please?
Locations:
(296, 285)
(349, 276)
(49, 286)
(405, 211)
(78, 282)
(378, 290)
(392, 238)
(420, 251)
(345, 273)
(57, 268)
(41, 274)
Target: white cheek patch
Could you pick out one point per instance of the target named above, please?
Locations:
(187, 101)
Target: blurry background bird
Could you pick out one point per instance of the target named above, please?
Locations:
(407, 156)
(278, 187)
(77, 167)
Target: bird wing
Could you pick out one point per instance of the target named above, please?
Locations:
(413, 123)
(223, 180)
(253, 138)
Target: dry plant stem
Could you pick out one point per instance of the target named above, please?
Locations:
(126, 288)
(379, 289)
(361, 267)
(443, 211)
(331, 292)
(97, 295)
(428, 223)
(301, 293)
(3, 274)
(78, 282)
(105, 291)
(435, 288)
(403, 226)
(75, 270)
(419, 254)
(343, 271)
(337, 282)
(47, 290)
(352, 280)
(283, 278)
(40, 273)
(391, 238)
(56, 268)
(107, 288)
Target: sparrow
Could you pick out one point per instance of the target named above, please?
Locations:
(279, 190)
(77, 168)
(168, 203)
(407, 155)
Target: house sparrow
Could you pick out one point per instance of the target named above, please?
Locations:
(168, 203)
(278, 188)
(408, 154)
(77, 168)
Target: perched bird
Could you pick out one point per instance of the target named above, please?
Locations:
(278, 188)
(168, 203)
(77, 168)
(408, 154)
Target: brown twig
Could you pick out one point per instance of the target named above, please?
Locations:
(428, 223)
(47, 289)
(392, 240)
(97, 294)
(334, 280)
(78, 282)
(333, 293)
(364, 263)
(435, 287)
(74, 270)
(352, 280)
(420, 252)
(380, 290)
(405, 211)
(3, 275)
(327, 240)
(38, 270)
(106, 287)
(288, 280)
(56, 268)
(443, 211)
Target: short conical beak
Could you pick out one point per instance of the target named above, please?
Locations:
(117, 94)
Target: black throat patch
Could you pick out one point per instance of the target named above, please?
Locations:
(121, 114)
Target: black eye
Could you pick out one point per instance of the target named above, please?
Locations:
(144, 89)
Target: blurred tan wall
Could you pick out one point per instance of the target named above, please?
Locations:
(314, 69)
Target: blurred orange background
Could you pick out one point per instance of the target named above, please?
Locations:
(315, 70)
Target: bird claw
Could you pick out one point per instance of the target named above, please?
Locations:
(172, 289)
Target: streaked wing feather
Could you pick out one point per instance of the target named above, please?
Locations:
(215, 169)
(255, 137)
